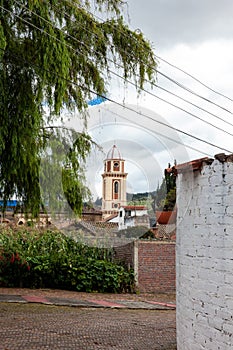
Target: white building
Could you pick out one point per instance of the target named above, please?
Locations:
(133, 215)
(204, 257)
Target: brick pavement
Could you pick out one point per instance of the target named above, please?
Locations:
(36, 326)
(38, 319)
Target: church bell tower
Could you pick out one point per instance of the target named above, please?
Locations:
(114, 183)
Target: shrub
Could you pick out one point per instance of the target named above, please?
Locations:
(49, 259)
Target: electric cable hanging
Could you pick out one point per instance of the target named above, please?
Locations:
(184, 110)
(162, 123)
(131, 109)
(157, 133)
(194, 78)
(157, 85)
(128, 81)
(192, 92)
(172, 80)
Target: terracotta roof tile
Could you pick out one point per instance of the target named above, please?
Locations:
(197, 164)
(133, 207)
(188, 166)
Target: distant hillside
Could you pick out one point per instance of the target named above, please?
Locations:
(133, 198)
(139, 196)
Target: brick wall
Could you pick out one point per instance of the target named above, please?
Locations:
(205, 258)
(125, 253)
(153, 263)
(156, 267)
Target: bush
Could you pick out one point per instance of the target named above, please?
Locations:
(34, 259)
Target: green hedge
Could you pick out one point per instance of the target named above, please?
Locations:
(49, 259)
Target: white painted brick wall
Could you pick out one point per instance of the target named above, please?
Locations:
(205, 258)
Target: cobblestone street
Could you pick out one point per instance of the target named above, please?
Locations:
(36, 327)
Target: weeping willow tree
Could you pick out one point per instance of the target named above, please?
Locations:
(62, 172)
(56, 53)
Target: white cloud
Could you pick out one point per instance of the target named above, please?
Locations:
(145, 151)
(197, 37)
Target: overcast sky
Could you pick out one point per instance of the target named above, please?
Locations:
(196, 36)
(168, 23)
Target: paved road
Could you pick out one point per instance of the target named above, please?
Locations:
(57, 319)
(29, 326)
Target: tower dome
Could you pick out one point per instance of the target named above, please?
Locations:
(114, 153)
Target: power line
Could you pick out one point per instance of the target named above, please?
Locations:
(158, 86)
(128, 108)
(192, 92)
(194, 78)
(174, 81)
(193, 104)
(184, 110)
(111, 100)
(159, 134)
(126, 80)
(165, 124)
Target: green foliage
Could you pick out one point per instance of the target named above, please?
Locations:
(73, 177)
(62, 178)
(55, 52)
(170, 178)
(165, 196)
(170, 200)
(139, 197)
(160, 195)
(30, 258)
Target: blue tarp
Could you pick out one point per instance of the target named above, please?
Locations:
(96, 101)
(11, 203)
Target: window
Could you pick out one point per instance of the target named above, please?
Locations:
(116, 166)
(116, 187)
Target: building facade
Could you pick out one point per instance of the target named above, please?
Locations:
(133, 215)
(204, 254)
